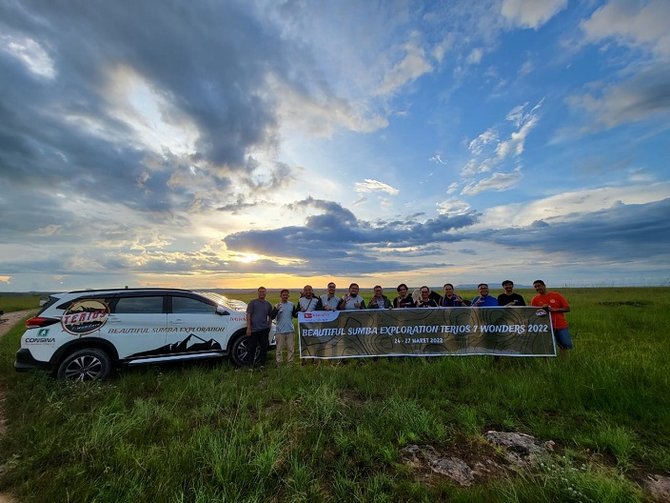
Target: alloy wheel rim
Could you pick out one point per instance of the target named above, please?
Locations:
(84, 368)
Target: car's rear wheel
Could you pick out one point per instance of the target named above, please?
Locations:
(90, 364)
(239, 351)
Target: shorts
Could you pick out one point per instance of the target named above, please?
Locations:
(563, 338)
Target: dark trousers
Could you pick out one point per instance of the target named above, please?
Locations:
(260, 339)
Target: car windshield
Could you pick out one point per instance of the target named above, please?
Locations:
(232, 304)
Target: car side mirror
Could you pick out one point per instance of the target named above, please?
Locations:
(221, 310)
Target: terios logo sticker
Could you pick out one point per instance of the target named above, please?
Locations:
(85, 316)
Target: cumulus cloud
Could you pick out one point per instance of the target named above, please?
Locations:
(443, 46)
(636, 24)
(640, 90)
(526, 69)
(641, 97)
(612, 234)
(517, 140)
(531, 13)
(489, 150)
(453, 207)
(496, 182)
(48, 230)
(577, 202)
(437, 159)
(495, 148)
(336, 239)
(30, 52)
(475, 56)
(322, 115)
(168, 109)
(369, 185)
(412, 66)
(113, 114)
(477, 145)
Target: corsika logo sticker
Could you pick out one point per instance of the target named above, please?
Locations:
(85, 317)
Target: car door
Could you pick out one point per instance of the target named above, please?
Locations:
(195, 328)
(137, 326)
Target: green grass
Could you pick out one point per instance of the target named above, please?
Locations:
(18, 302)
(335, 433)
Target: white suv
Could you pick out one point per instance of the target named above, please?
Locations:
(83, 335)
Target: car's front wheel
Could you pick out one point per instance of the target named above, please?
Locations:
(90, 364)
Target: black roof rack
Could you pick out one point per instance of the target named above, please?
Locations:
(139, 289)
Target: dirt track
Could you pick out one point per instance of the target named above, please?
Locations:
(8, 321)
(11, 320)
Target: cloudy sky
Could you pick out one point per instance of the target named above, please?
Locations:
(232, 143)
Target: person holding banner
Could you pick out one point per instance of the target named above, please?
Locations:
(283, 313)
(352, 300)
(308, 302)
(510, 298)
(425, 300)
(379, 301)
(329, 300)
(403, 299)
(450, 298)
(556, 304)
(484, 299)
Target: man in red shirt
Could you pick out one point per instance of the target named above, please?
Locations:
(556, 304)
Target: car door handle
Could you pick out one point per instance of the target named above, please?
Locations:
(177, 322)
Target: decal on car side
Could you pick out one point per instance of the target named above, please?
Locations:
(85, 317)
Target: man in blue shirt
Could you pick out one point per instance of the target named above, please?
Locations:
(484, 299)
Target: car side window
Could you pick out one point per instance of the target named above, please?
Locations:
(186, 305)
(139, 305)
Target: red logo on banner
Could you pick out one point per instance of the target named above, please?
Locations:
(308, 315)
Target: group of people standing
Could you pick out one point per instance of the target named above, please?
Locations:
(260, 312)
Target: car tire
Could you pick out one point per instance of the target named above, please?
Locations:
(239, 352)
(90, 364)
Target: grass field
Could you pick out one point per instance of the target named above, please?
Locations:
(335, 433)
(18, 302)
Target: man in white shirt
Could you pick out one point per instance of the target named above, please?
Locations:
(308, 301)
(283, 314)
(329, 300)
(352, 300)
